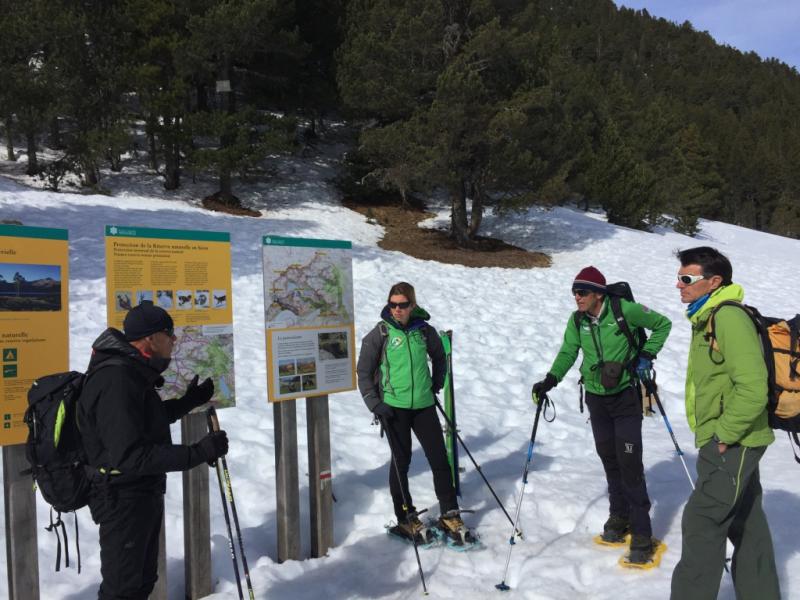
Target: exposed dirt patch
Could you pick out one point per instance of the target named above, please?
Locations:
(404, 235)
(212, 203)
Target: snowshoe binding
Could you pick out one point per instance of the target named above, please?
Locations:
(644, 553)
(458, 537)
(413, 529)
(616, 532)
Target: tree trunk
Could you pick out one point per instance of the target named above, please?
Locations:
(458, 214)
(152, 149)
(90, 177)
(9, 124)
(172, 154)
(33, 162)
(55, 134)
(202, 97)
(115, 160)
(225, 193)
(476, 216)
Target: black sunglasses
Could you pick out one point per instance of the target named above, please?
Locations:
(169, 331)
(581, 293)
(402, 305)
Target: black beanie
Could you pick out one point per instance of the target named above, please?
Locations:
(145, 319)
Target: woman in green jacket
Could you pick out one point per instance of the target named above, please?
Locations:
(399, 388)
(612, 395)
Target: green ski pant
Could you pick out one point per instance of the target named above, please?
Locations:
(726, 504)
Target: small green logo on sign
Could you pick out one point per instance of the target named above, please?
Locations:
(7, 417)
(9, 371)
(10, 355)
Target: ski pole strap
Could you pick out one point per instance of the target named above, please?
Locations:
(548, 404)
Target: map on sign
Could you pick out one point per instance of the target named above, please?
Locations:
(205, 351)
(308, 287)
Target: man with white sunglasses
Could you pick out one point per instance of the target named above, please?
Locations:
(726, 406)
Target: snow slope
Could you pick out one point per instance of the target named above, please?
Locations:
(508, 325)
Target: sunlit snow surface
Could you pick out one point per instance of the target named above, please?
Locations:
(507, 327)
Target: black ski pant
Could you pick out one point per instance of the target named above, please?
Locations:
(425, 424)
(617, 428)
(130, 525)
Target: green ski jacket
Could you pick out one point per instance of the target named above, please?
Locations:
(393, 363)
(726, 389)
(602, 340)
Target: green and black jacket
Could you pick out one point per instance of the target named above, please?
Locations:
(393, 362)
(602, 340)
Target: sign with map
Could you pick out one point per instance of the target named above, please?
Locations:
(309, 318)
(34, 317)
(187, 273)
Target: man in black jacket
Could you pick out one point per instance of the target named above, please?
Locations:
(125, 430)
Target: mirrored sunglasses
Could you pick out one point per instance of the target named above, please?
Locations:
(690, 279)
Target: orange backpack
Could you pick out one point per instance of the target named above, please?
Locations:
(780, 341)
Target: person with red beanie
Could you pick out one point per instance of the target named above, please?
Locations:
(609, 371)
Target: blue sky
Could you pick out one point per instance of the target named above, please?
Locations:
(770, 28)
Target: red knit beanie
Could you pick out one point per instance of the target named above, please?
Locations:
(590, 279)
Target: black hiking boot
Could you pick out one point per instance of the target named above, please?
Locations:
(615, 529)
(642, 549)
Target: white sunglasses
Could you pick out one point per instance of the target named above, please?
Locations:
(690, 279)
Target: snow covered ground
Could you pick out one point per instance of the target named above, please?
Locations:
(507, 327)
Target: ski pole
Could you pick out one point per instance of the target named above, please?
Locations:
(228, 525)
(213, 424)
(652, 391)
(405, 503)
(544, 401)
(477, 466)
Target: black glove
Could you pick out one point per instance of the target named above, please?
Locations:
(197, 395)
(211, 447)
(383, 411)
(542, 387)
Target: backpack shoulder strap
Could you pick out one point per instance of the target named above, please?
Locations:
(384, 331)
(576, 318)
(761, 331)
(619, 317)
(711, 328)
(794, 348)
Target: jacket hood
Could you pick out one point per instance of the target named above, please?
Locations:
(111, 344)
(418, 318)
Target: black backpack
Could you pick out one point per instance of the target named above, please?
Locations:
(54, 448)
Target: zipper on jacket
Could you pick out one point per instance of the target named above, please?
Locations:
(411, 366)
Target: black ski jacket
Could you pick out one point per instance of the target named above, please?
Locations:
(124, 424)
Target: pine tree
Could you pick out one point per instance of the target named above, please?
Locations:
(619, 182)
